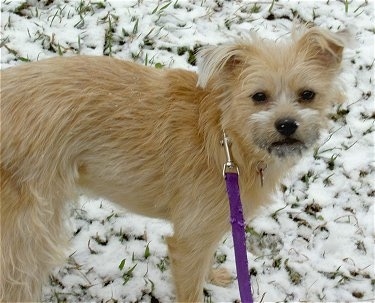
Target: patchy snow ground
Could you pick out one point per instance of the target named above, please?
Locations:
(314, 243)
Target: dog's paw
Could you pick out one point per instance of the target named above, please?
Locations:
(220, 277)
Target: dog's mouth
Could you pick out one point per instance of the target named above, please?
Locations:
(286, 147)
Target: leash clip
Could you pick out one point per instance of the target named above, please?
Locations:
(229, 165)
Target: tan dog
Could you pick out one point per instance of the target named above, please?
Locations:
(149, 140)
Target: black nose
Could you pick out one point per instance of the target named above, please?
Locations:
(286, 127)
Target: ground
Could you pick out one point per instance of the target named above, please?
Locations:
(315, 242)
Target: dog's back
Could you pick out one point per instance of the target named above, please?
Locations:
(91, 116)
(55, 104)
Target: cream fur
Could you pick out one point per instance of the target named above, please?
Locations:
(149, 140)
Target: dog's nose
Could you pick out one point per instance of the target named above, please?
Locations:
(286, 127)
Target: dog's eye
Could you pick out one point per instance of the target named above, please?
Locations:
(259, 97)
(307, 95)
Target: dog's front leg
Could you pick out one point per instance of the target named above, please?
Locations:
(190, 262)
(190, 256)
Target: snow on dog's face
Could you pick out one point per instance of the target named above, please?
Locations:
(275, 95)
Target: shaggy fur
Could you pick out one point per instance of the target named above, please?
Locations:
(149, 140)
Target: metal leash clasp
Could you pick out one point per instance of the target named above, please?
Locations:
(229, 165)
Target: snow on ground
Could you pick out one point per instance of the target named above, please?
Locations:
(314, 243)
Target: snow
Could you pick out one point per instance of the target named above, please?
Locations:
(315, 242)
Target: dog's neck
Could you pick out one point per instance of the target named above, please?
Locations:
(268, 169)
(210, 125)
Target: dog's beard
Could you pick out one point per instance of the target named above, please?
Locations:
(287, 147)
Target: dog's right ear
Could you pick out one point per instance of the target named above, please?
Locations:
(213, 60)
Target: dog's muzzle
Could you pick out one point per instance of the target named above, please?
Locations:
(288, 145)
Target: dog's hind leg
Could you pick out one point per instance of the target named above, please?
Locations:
(220, 277)
(31, 238)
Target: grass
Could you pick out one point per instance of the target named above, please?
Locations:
(111, 21)
(3, 44)
(163, 265)
(294, 276)
(271, 6)
(128, 274)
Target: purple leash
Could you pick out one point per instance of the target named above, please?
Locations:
(238, 224)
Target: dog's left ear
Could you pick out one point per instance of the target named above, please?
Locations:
(216, 60)
(323, 46)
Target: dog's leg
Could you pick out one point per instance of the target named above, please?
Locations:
(31, 239)
(189, 267)
(191, 259)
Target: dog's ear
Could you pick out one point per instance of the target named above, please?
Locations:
(212, 60)
(323, 46)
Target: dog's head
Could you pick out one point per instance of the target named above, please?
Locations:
(275, 95)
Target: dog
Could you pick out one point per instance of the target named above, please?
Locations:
(149, 140)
